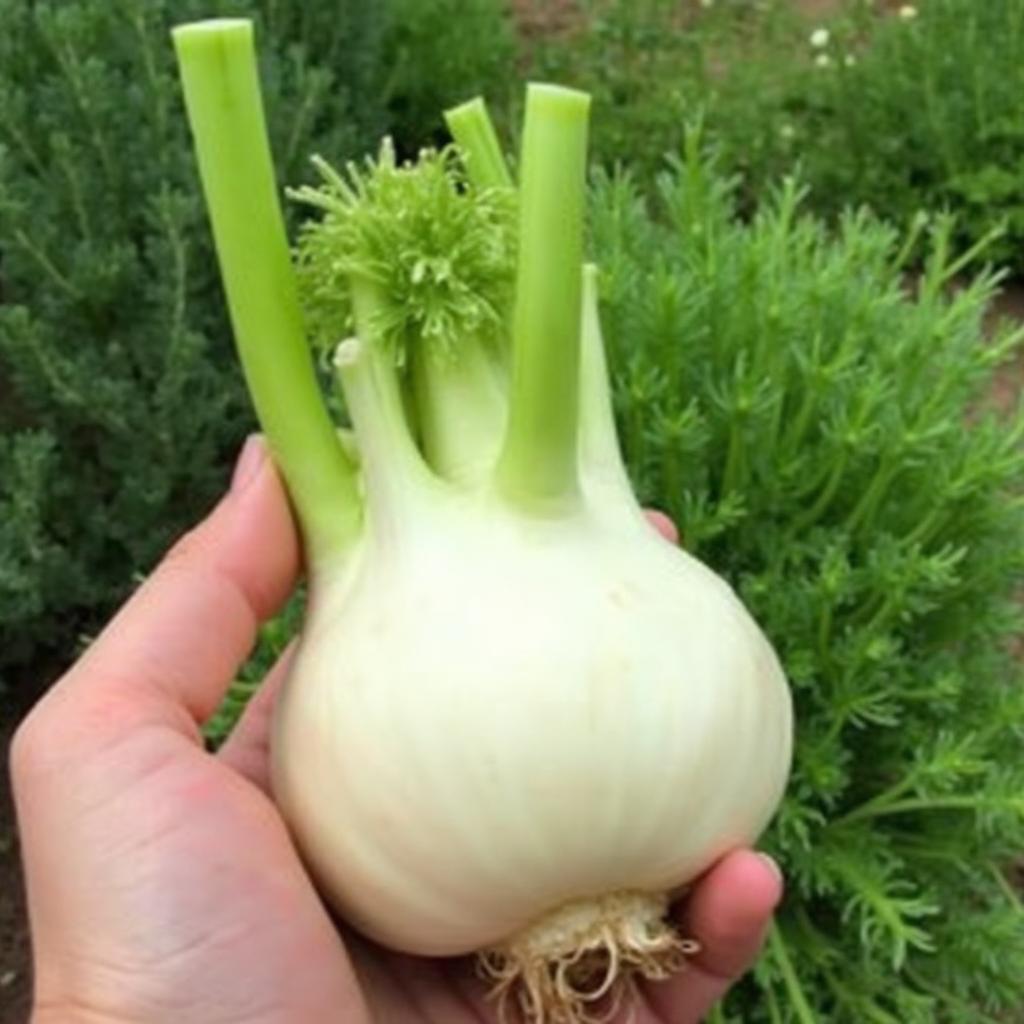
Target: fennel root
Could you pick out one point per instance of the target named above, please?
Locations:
(577, 964)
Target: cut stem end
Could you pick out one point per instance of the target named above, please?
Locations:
(217, 61)
(474, 133)
(578, 964)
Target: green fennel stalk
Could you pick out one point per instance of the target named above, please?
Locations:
(456, 401)
(539, 461)
(472, 129)
(222, 93)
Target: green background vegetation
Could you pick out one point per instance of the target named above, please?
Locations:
(804, 362)
(804, 421)
(121, 405)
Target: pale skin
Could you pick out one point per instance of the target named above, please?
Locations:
(162, 883)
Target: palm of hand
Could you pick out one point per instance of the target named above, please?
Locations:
(209, 915)
(207, 912)
(162, 883)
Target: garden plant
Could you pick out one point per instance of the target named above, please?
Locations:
(909, 109)
(829, 441)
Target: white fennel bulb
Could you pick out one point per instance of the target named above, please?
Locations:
(506, 720)
(519, 722)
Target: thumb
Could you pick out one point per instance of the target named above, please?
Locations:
(169, 654)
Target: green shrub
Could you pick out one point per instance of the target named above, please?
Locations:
(827, 442)
(650, 65)
(122, 404)
(441, 52)
(902, 114)
(120, 407)
(906, 115)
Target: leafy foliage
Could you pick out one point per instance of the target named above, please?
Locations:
(274, 638)
(806, 422)
(434, 244)
(902, 114)
(120, 404)
(439, 53)
(650, 64)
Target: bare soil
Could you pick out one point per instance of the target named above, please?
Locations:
(1009, 384)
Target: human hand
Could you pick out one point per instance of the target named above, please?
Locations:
(162, 883)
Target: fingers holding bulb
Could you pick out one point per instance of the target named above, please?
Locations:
(728, 912)
(663, 524)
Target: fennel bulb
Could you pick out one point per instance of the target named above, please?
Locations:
(519, 721)
(496, 723)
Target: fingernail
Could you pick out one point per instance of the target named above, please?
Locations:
(250, 459)
(664, 524)
(773, 864)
